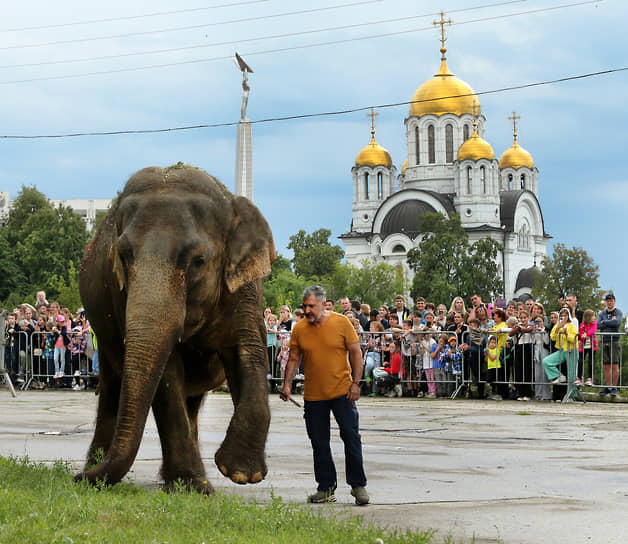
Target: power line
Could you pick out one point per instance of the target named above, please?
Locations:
(131, 17)
(319, 114)
(290, 48)
(232, 42)
(189, 27)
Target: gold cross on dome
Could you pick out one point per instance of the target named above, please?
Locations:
(514, 120)
(373, 114)
(442, 24)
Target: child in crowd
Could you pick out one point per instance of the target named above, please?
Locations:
(440, 358)
(427, 342)
(391, 372)
(588, 347)
(455, 358)
(11, 347)
(565, 336)
(48, 352)
(78, 360)
(61, 342)
(493, 365)
(474, 356)
(271, 341)
(283, 356)
(408, 353)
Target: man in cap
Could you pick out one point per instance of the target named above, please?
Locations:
(608, 323)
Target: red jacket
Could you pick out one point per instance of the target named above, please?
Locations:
(395, 366)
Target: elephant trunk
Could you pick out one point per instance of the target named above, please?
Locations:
(150, 339)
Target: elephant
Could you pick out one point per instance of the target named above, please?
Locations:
(172, 286)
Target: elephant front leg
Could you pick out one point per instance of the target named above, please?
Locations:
(178, 433)
(107, 413)
(241, 455)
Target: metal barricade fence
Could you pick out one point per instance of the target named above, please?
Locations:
(44, 362)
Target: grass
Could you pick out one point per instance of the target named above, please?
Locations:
(40, 503)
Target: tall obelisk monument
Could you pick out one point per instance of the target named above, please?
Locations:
(244, 151)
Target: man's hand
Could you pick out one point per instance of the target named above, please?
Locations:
(286, 391)
(354, 392)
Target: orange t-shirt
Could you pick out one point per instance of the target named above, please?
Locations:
(325, 362)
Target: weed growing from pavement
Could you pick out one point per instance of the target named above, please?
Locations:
(40, 503)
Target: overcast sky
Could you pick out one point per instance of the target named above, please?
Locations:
(575, 130)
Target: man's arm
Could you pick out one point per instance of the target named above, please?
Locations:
(291, 371)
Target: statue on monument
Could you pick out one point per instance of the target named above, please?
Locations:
(246, 69)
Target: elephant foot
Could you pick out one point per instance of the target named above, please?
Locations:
(201, 485)
(240, 467)
(94, 477)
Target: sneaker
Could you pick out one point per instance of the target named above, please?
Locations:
(361, 496)
(77, 373)
(605, 391)
(524, 399)
(577, 382)
(323, 496)
(495, 397)
(372, 394)
(613, 392)
(588, 381)
(430, 396)
(76, 387)
(19, 380)
(420, 395)
(398, 391)
(391, 394)
(561, 379)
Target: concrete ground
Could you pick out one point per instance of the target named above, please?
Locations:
(508, 472)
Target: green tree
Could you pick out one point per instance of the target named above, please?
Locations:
(314, 256)
(66, 293)
(372, 283)
(568, 270)
(41, 243)
(446, 265)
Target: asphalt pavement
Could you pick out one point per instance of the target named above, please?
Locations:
(507, 472)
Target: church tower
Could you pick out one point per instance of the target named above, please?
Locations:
(516, 166)
(373, 181)
(477, 183)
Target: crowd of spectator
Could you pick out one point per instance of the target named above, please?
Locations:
(50, 346)
(497, 350)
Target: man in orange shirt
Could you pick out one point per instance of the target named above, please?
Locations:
(332, 380)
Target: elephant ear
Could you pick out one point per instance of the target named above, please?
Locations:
(116, 266)
(250, 247)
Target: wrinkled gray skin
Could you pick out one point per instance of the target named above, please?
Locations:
(172, 287)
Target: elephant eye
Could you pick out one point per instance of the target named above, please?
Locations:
(198, 261)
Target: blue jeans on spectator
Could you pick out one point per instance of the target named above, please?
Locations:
(372, 360)
(317, 423)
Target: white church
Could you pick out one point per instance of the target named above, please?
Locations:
(450, 167)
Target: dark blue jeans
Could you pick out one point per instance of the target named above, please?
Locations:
(317, 423)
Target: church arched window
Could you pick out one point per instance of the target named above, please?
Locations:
(465, 133)
(431, 145)
(366, 186)
(380, 185)
(510, 179)
(449, 143)
(523, 181)
(417, 147)
(398, 249)
(469, 179)
(483, 178)
(524, 237)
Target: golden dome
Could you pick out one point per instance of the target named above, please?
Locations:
(404, 167)
(373, 155)
(430, 96)
(516, 157)
(475, 148)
